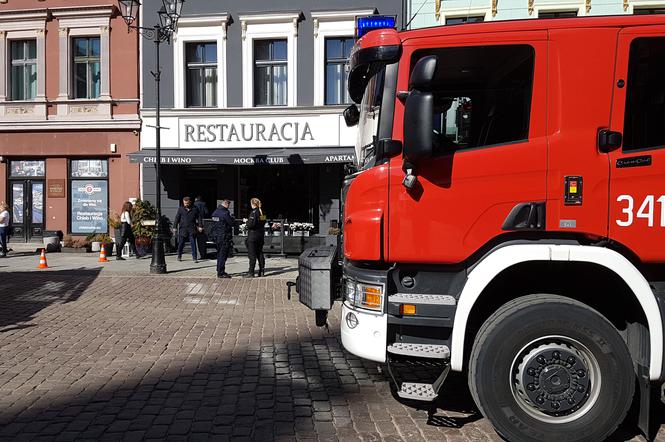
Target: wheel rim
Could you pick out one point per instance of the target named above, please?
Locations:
(555, 379)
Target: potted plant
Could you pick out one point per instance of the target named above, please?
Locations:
(276, 229)
(143, 225)
(97, 240)
(301, 229)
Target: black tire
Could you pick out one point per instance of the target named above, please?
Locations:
(531, 334)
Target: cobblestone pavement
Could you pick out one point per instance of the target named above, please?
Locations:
(276, 267)
(88, 356)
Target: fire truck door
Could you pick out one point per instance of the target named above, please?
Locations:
(637, 168)
(490, 148)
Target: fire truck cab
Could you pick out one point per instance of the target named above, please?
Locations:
(507, 219)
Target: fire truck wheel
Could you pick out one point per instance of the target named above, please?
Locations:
(546, 367)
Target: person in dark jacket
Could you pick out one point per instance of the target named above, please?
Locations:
(255, 238)
(202, 238)
(189, 222)
(222, 234)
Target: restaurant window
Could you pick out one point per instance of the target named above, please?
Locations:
(89, 191)
(270, 72)
(465, 19)
(201, 61)
(27, 168)
(338, 50)
(23, 76)
(86, 67)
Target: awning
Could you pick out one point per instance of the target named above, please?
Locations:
(247, 157)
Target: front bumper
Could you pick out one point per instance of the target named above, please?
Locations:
(367, 339)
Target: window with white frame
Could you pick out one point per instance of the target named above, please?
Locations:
(269, 57)
(338, 50)
(86, 67)
(23, 76)
(84, 53)
(558, 14)
(334, 32)
(648, 11)
(270, 72)
(465, 19)
(201, 61)
(23, 64)
(199, 71)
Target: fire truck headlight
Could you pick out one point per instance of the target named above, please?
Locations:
(350, 291)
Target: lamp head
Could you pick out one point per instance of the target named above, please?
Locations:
(129, 10)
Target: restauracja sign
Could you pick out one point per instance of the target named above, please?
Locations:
(272, 131)
(257, 132)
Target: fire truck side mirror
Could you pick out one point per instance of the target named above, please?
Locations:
(423, 73)
(351, 115)
(418, 111)
(418, 139)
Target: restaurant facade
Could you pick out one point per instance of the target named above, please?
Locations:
(252, 100)
(68, 115)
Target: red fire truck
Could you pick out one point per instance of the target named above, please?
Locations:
(507, 219)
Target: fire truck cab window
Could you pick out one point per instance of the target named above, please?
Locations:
(482, 95)
(645, 95)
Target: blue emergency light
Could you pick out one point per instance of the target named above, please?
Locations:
(371, 22)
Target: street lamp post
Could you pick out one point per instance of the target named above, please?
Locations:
(162, 32)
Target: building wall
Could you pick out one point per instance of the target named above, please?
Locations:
(230, 24)
(236, 8)
(517, 9)
(57, 128)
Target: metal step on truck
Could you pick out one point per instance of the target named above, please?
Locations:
(507, 220)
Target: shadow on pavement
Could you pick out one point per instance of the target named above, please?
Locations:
(24, 294)
(308, 389)
(259, 394)
(153, 364)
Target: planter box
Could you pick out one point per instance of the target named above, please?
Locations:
(293, 245)
(74, 250)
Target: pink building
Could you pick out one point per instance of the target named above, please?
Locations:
(69, 98)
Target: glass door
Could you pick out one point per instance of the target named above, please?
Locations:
(27, 208)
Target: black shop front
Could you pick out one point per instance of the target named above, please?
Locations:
(295, 185)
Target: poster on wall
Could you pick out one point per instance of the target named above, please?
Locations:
(89, 206)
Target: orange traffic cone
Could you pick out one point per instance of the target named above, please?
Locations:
(42, 260)
(102, 255)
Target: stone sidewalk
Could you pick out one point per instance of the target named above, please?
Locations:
(86, 354)
(276, 267)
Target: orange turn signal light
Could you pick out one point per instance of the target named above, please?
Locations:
(372, 300)
(407, 309)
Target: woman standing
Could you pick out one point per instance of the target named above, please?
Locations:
(126, 232)
(255, 238)
(4, 228)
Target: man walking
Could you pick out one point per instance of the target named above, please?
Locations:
(202, 238)
(222, 233)
(189, 222)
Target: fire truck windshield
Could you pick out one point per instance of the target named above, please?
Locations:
(368, 125)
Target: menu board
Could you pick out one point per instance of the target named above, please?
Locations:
(89, 206)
